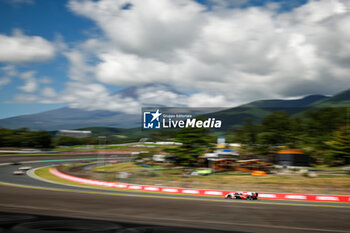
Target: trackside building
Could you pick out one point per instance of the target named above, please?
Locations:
(292, 157)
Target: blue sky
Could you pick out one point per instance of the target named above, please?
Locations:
(218, 53)
(50, 20)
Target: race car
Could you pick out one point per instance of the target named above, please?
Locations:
(18, 172)
(24, 168)
(242, 195)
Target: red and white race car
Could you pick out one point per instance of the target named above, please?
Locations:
(242, 195)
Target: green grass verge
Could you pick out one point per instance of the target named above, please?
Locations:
(44, 173)
(296, 183)
(120, 167)
(133, 167)
(327, 168)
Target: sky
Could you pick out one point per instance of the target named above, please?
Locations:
(215, 53)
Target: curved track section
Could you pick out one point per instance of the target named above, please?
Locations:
(28, 195)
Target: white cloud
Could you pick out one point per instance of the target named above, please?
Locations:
(79, 69)
(204, 100)
(149, 27)
(95, 96)
(48, 92)
(24, 99)
(45, 80)
(21, 48)
(118, 68)
(227, 3)
(220, 57)
(31, 83)
(30, 86)
(9, 70)
(4, 81)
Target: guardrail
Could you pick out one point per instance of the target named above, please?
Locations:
(280, 196)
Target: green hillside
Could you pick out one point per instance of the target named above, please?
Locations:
(234, 118)
(340, 100)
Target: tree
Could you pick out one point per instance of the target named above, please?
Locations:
(195, 141)
(339, 147)
(24, 138)
(67, 141)
(277, 127)
(39, 139)
(248, 134)
(320, 124)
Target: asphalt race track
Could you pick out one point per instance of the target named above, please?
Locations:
(23, 194)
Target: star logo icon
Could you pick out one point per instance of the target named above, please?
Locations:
(151, 119)
(156, 115)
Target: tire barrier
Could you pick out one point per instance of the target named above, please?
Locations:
(68, 226)
(218, 193)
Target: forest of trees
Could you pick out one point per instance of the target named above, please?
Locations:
(24, 138)
(195, 142)
(323, 133)
(39, 139)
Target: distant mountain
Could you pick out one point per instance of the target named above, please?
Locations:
(72, 118)
(295, 103)
(257, 110)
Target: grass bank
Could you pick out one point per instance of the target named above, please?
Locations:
(327, 183)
